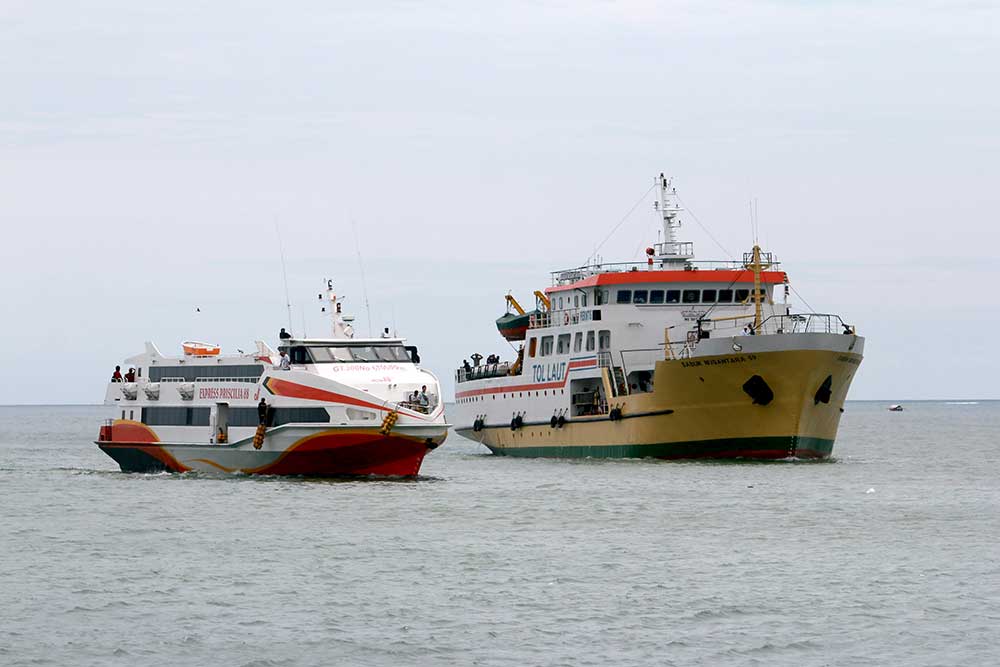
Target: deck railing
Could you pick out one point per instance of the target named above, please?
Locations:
(568, 276)
(484, 371)
(780, 324)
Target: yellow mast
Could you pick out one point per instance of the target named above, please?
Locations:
(756, 265)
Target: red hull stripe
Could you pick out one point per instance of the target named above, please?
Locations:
(583, 363)
(289, 389)
(642, 277)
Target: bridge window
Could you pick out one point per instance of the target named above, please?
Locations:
(576, 300)
(562, 344)
(725, 296)
(640, 296)
(583, 300)
(708, 295)
(590, 341)
(546, 345)
(604, 340)
(673, 296)
(656, 296)
(578, 341)
(690, 296)
(624, 296)
(531, 346)
(742, 295)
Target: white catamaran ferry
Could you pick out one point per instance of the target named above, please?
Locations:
(667, 358)
(316, 407)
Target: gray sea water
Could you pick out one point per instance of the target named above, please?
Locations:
(886, 555)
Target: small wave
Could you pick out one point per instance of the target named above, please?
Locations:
(961, 402)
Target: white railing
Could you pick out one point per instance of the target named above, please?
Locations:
(484, 371)
(780, 324)
(568, 276)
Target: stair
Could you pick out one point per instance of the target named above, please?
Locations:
(620, 385)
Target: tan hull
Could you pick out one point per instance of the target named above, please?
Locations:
(699, 408)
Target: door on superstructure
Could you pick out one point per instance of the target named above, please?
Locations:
(221, 428)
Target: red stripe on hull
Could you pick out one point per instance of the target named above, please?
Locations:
(289, 389)
(321, 455)
(350, 454)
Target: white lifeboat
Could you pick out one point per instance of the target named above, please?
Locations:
(129, 390)
(152, 390)
(193, 348)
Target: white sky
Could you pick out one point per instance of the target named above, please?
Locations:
(147, 152)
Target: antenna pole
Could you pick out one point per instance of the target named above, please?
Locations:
(364, 286)
(284, 274)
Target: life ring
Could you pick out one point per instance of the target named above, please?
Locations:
(553, 422)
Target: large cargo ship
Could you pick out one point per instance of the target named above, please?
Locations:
(668, 358)
(338, 406)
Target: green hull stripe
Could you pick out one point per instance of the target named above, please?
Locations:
(754, 448)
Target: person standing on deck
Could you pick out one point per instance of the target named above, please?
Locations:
(262, 411)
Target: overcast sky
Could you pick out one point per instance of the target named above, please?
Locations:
(146, 154)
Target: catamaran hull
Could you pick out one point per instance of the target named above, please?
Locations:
(765, 405)
(324, 453)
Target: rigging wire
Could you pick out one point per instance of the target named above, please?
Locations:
(364, 285)
(801, 297)
(622, 221)
(703, 227)
(284, 274)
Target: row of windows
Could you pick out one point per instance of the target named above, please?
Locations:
(279, 416)
(520, 394)
(192, 373)
(656, 296)
(707, 296)
(562, 343)
(175, 416)
(161, 416)
(348, 354)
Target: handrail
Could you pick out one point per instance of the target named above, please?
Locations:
(481, 372)
(571, 275)
(785, 324)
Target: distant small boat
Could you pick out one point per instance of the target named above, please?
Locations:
(895, 408)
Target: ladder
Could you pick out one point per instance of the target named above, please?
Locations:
(620, 385)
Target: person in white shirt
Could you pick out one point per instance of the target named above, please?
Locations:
(285, 364)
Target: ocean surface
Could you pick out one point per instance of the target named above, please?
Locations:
(887, 555)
